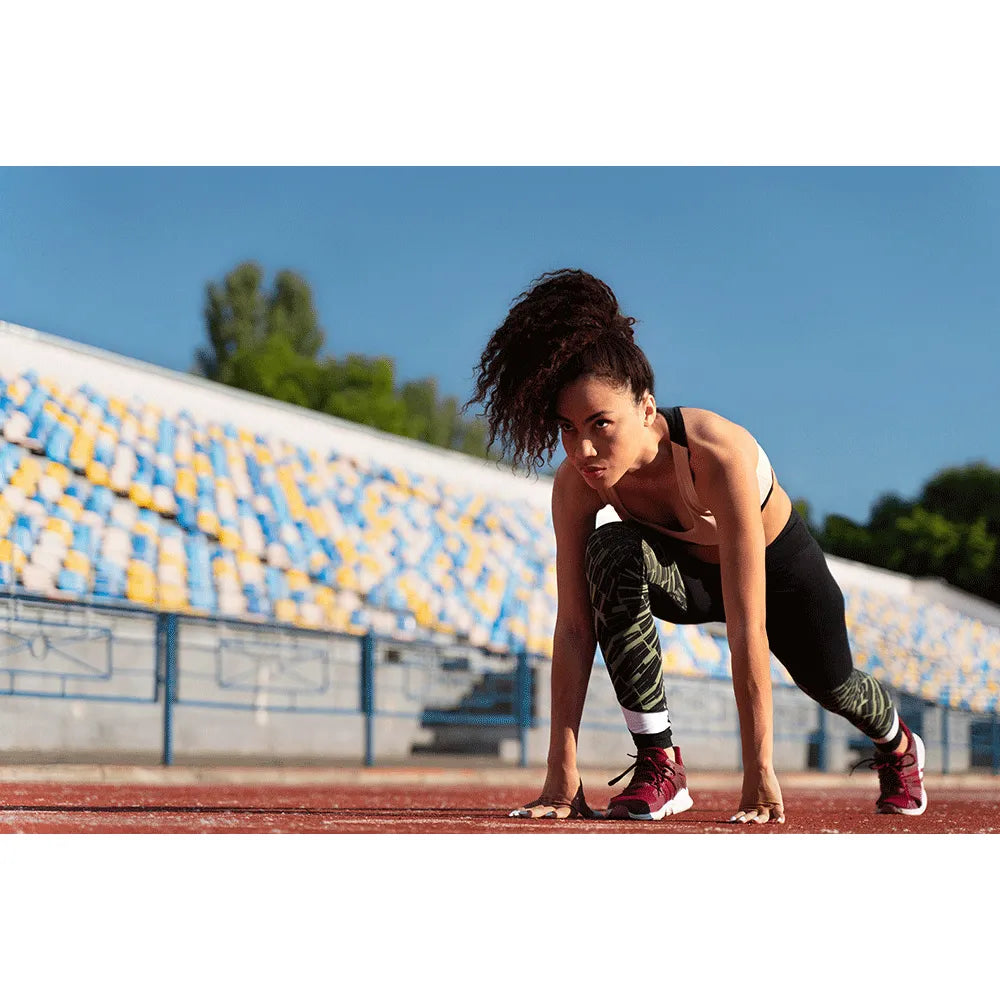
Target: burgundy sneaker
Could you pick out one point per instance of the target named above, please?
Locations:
(901, 777)
(657, 789)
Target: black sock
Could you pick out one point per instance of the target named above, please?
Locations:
(663, 740)
(892, 745)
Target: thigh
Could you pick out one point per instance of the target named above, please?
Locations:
(702, 584)
(806, 627)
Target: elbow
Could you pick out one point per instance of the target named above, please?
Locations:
(748, 638)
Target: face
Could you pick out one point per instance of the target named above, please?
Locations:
(604, 430)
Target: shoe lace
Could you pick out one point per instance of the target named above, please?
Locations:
(890, 766)
(650, 769)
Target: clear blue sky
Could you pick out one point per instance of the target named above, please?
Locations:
(847, 317)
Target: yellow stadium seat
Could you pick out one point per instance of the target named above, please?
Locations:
(59, 473)
(224, 569)
(173, 597)
(208, 521)
(71, 508)
(229, 538)
(140, 589)
(77, 562)
(185, 484)
(141, 494)
(98, 473)
(18, 390)
(285, 610)
(60, 527)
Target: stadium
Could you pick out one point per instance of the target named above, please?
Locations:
(203, 589)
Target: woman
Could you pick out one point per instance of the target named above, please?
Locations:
(706, 534)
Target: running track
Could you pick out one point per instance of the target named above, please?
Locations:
(83, 799)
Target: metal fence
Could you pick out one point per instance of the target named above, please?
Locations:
(113, 652)
(104, 651)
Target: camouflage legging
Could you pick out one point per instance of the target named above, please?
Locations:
(636, 574)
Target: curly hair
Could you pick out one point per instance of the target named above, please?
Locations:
(567, 324)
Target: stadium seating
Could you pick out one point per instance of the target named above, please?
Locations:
(104, 498)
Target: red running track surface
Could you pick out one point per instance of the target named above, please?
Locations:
(411, 802)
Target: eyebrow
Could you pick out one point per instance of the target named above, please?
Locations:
(599, 413)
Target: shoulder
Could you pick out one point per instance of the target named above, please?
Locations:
(714, 441)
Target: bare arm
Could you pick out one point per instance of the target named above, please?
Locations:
(574, 511)
(725, 460)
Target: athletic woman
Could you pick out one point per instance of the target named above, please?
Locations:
(706, 534)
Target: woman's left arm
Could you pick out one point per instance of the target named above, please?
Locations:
(724, 461)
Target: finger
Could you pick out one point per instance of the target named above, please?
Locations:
(559, 812)
(536, 810)
(530, 811)
(751, 814)
(773, 812)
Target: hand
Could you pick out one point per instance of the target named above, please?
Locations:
(557, 804)
(760, 800)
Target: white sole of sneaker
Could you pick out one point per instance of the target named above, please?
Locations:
(921, 757)
(681, 802)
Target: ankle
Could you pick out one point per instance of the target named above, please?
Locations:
(897, 751)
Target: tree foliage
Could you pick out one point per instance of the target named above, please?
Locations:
(268, 341)
(951, 531)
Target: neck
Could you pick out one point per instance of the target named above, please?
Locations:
(652, 457)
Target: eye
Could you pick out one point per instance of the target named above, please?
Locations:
(602, 423)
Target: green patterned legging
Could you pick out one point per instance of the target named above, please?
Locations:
(636, 574)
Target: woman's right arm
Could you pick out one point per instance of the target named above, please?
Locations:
(574, 513)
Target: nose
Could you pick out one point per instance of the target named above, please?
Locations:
(585, 449)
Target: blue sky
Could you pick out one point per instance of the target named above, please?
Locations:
(847, 316)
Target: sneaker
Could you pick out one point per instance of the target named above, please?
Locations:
(901, 777)
(657, 789)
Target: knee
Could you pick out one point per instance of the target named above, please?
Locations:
(859, 692)
(834, 698)
(610, 547)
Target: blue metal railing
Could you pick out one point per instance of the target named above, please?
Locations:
(29, 632)
(60, 649)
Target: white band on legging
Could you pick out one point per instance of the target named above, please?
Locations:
(646, 722)
(891, 735)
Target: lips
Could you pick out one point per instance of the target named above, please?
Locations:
(593, 472)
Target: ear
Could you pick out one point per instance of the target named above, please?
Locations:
(648, 410)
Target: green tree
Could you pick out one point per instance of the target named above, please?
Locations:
(951, 531)
(234, 320)
(472, 438)
(845, 538)
(274, 369)
(428, 418)
(241, 316)
(362, 390)
(268, 341)
(966, 494)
